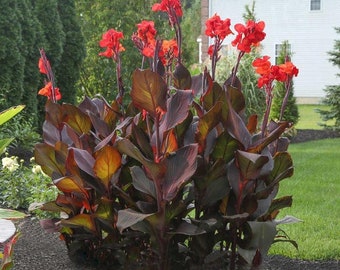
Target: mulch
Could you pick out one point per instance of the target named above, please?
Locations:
(40, 250)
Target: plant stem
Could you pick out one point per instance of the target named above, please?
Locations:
(285, 99)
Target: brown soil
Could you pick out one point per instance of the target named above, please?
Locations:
(39, 250)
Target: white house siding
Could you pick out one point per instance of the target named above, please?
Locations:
(310, 33)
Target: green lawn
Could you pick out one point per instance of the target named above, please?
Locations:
(315, 187)
(309, 118)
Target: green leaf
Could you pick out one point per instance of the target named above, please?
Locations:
(179, 168)
(148, 91)
(11, 214)
(128, 218)
(10, 113)
(141, 182)
(4, 143)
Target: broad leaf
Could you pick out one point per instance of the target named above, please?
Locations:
(50, 159)
(141, 182)
(11, 214)
(148, 91)
(250, 164)
(186, 228)
(108, 161)
(70, 184)
(178, 109)
(84, 160)
(213, 94)
(236, 99)
(283, 167)
(4, 143)
(10, 113)
(182, 77)
(82, 220)
(206, 124)
(179, 168)
(225, 147)
(127, 147)
(237, 129)
(128, 218)
(217, 190)
(75, 118)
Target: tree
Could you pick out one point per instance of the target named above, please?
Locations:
(30, 29)
(291, 114)
(332, 98)
(191, 28)
(12, 61)
(73, 53)
(53, 36)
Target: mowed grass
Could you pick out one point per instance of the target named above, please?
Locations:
(315, 187)
(309, 118)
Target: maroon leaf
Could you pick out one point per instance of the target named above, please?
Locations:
(179, 168)
(148, 91)
(182, 77)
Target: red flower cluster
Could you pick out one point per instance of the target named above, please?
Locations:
(169, 6)
(270, 72)
(48, 91)
(168, 51)
(217, 28)
(111, 40)
(248, 35)
(144, 39)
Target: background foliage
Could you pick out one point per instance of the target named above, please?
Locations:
(332, 98)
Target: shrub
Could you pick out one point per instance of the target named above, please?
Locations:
(332, 98)
(22, 185)
(176, 177)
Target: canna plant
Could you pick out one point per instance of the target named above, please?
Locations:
(175, 177)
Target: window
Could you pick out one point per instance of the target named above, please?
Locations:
(280, 50)
(315, 4)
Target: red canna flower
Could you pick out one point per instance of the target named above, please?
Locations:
(111, 40)
(146, 31)
(218, 28)
(48, 91)
(248, 35)
(168, 51)
(169, 6)
(262, 65)
(144, 39)
(289, 69)
(42, 66)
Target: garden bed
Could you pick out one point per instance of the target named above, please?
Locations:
(37, 249)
